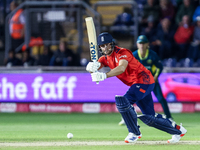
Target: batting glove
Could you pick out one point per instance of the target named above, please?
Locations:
(93, 66)
(98, 76)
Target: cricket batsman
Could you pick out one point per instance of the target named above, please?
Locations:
(131, 72)
(152, 62)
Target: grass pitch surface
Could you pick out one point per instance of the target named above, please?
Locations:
(48, 131)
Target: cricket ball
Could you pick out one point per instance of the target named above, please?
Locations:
(70, 135)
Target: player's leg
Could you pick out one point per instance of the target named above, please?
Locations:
(158, 93)
(152, 119)
(134, 93)
(130, 117)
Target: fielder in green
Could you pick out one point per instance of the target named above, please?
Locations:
(152, 62)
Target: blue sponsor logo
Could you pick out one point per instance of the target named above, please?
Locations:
(93, 51)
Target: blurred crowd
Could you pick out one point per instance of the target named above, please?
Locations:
(62, 56)
(172, 27)
(37, 53)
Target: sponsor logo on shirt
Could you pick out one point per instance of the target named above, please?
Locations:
(145, 76)
(123, 56)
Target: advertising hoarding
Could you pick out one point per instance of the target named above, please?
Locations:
(78, 88)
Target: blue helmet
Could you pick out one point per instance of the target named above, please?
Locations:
(104, 38)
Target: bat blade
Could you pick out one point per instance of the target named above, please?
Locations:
(91, 31)
(92, 38)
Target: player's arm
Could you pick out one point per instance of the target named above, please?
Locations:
(119, 69)
(100, 76)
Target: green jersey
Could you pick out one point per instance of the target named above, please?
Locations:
(151, 61)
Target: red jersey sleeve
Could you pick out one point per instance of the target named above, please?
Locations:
(125, 54)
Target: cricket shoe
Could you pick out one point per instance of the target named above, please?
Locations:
(122, 122)
(131, 138)
(176, 138)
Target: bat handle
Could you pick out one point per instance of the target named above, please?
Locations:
(96, 71)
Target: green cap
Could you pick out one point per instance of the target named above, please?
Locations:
(142, 39)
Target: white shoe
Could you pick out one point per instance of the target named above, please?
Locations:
(131, 138)
(121, 123)
(176, 138)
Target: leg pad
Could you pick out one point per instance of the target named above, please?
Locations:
(128, 113)
(159, 123)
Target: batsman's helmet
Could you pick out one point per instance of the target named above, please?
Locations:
(104, 38)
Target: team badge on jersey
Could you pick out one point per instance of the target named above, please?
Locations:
(149, 61)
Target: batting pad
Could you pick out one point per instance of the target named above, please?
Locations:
(128, 113)
(159, 123)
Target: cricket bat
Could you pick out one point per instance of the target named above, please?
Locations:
(92, 38)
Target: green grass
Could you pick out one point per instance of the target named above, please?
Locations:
(122, 147)
(51, 127)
